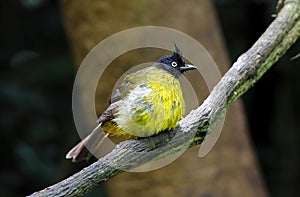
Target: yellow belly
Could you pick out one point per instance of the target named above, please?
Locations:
(148, 109)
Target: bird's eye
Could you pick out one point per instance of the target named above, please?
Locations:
(174, 64)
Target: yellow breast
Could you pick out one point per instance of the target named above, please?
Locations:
(154, 104)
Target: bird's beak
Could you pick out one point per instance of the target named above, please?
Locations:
(187, 67)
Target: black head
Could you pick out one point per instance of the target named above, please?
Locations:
(175, 63)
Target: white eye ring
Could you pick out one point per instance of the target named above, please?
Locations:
(174, 64)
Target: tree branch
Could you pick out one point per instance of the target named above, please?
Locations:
(248, 68)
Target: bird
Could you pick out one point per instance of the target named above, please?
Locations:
(148, 101)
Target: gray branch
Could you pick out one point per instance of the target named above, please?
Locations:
(243, 74)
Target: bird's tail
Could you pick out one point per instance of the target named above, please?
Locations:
(93, 141)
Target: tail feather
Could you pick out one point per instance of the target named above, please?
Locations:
(93, 141)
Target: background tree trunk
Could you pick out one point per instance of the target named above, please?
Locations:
(230, 169)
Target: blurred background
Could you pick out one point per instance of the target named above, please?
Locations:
(38, 67)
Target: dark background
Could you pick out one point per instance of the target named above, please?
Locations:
(37, 74)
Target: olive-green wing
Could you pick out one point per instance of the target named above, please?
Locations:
(130, 82)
